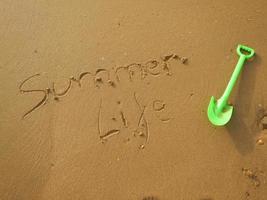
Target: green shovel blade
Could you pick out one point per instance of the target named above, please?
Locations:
(216, 117)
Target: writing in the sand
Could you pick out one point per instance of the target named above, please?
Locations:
(138, 128)
(111, 78)
(154, 67)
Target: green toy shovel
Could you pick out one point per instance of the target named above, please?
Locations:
(219, 111)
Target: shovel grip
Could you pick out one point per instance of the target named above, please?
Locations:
(241, 48)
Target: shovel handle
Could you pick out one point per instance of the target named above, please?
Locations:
(242, 58)
(241, 48)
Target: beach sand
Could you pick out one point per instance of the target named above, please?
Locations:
(107, 100)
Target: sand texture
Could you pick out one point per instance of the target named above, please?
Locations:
(107, 100)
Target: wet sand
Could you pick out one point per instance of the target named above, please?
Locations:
(107, 100)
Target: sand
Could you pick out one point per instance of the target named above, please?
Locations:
(107, 100)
